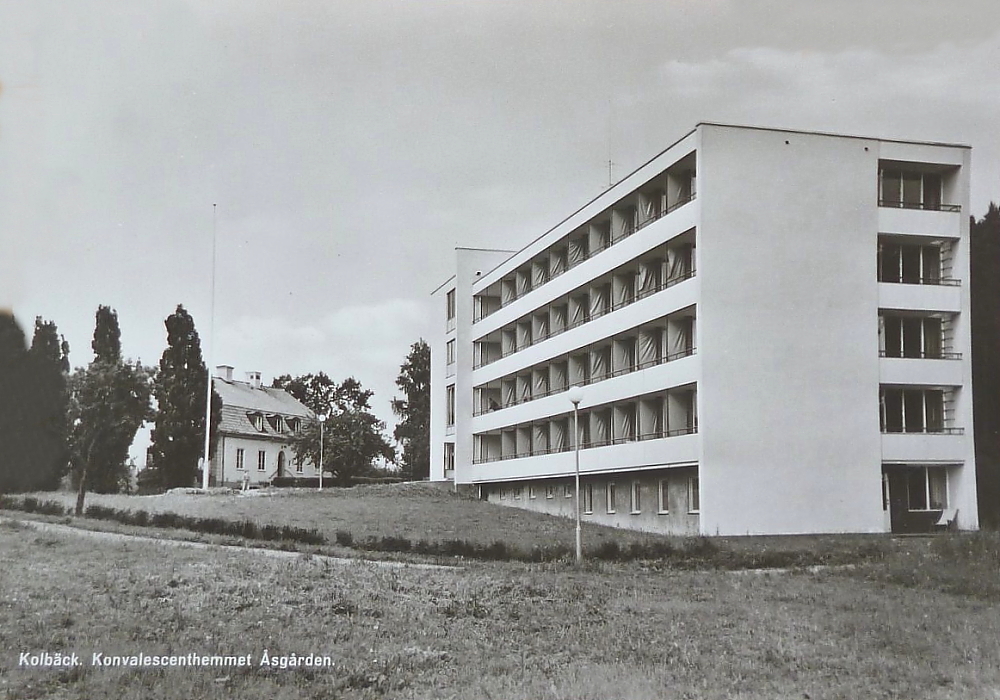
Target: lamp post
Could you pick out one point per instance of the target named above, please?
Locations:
(575, 396)
(322, 420)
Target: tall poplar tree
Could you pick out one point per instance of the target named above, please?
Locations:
(178, 437)
(413, 430)
(49, 369)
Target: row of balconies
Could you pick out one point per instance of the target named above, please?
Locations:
(656, 270)
(667, 192)
(649, 417)
(663, 340)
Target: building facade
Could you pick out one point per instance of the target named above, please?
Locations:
(257, 426)
(771, 329)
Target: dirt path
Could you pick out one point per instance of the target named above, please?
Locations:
(40, 526)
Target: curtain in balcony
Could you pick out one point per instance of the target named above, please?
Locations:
(539, 273)
(508, 340)
(540, 326)
(508, 443)
(557, 435)
(577, 310)
(648, 277)
(523, 282)
(599, 236)
(523, 335)
(599, 301)
(524, 440)
(540, 438)
(881, 335)
(557, 318)
(933, 334)
(557, 376)
(509, 392)
(649, 346)
(624, 422)
(524, 387)
(624, 354)
(678, 262)
(600, 426)
(651, 417)
(624, 291)
(541, 379)
(557, 262)
(578, 366)
(682, 336)
(508, 291)
(576, 251)
(599, 362)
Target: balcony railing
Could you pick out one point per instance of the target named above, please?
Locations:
(935, 281)
(588, 316)
(479, 316)
(925, 206)
(921, 430)
(688, 430)
(686, 352)
(924, 356)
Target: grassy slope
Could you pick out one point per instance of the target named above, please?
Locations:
(487, 631)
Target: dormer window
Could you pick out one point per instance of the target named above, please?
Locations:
(293, 424)
(275, 422)
(257, 421)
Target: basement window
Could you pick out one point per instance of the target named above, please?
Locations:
(694, 495)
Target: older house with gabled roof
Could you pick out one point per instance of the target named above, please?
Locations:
(255, 434)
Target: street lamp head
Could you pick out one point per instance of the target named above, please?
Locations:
(575, 394)
(321, 417)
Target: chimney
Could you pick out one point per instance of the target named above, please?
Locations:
(224, 372)
(254, 379)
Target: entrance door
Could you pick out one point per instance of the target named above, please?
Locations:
(281, 464)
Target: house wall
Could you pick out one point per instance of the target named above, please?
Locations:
(228, 475)
(789, 397)
(678, 519)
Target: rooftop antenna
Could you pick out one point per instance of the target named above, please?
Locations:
(611, 163)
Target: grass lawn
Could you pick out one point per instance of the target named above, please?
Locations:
(485, 630)
(423, 511)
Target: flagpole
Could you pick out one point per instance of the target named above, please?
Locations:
(208, 368)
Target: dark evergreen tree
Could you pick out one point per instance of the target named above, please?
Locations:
(413, 430)
(107, 343)
(49, 369)
(16, 434)
(985, 291)
(178, 437)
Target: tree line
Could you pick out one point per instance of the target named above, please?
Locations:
(55, 422)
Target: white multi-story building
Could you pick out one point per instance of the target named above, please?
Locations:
(781, 348)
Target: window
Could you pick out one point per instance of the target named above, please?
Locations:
(517, 493)
(588, 498)
(909, 189)
(663, 492)
(277, 424)
(694, 495)
(451, 405)
(500, 490)
(550, 491)
(636, 497)
(610, 489)
(449, 456)
(261, 460)
(293, 425)
(927, 489)
(450, 352)
(912, 410)
(568, 490)
(257, 421)
(531, 490)
(240, 464)
(911, 336)
(450, 304)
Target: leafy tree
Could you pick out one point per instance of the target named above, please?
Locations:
(985, 291)
(178, 436)
(352, 437)
(320, 394)
(49, 370)
(352, 440)
(413, 430)
(108, 403)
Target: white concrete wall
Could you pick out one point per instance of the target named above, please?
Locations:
(788, 401)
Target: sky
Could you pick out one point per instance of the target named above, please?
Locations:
(340, 150)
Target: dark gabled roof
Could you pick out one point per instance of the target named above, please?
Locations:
(240, 400)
